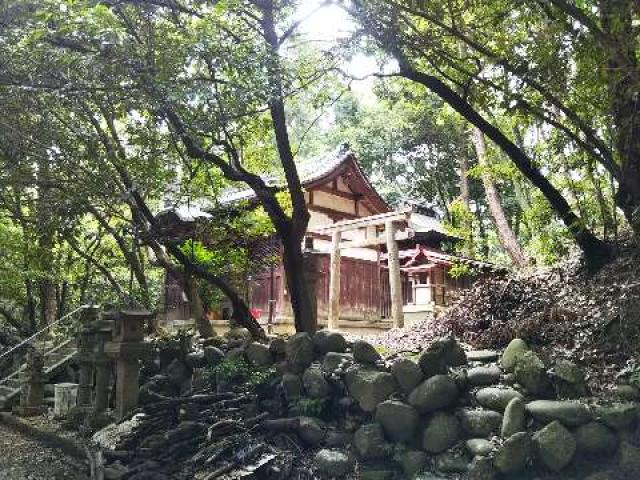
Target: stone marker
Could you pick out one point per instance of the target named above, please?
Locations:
(66, 397)
(32, 386)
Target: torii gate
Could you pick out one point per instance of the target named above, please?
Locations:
(390, 221)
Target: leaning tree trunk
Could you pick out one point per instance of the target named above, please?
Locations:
(205, 329)
(596, 252)
(505, 233)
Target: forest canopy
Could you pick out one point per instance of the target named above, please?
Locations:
(516, 121)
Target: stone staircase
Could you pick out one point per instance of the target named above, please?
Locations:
(56, 357)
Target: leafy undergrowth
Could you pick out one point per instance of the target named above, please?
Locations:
(591, 319)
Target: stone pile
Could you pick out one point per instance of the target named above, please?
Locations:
(445, 413)
(478, 414)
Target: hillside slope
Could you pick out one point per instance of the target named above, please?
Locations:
(593, 320)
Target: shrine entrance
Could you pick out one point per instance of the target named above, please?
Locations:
(368, 232)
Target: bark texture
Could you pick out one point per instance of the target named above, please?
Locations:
(507, 238)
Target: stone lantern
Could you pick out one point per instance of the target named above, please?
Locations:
(102, 328)
(84, 358)
(127, 347)
(32, 381)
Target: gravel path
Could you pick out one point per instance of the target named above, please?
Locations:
(22, 458)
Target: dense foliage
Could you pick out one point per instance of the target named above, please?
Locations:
(514, 120)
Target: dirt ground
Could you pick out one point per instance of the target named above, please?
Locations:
(22, 458)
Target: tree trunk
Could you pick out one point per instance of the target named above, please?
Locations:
(465, 196)
(505, 233)
(129, 254)
(623, 75)
(605, 215)
(595, 251)
(205, 329)
(301, 302)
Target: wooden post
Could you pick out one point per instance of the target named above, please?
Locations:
(334, 282)
(395, 282)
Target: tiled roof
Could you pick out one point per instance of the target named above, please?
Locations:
(309, 171)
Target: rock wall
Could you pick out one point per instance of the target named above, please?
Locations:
(447, 412)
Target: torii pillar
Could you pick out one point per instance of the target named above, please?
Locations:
(334, 282)
(395, 280)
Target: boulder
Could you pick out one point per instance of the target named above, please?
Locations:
(376, 472)
(434, 393)
(413, 462)
(441, 432)
(336, 362)
(292, 387)
(115, 471)
(496, 398)
(626, 392)
(311, 430)
(530, 372)
(369, 387)
(555, 446)
(278, 347)
(407, 373)
(314, 383)
(196, 360)
(568, 380)
(515, 348)
(179, 374)
(364, 352)
(514, 419)
(369, 441)
(512, 456)
(618, 416)
(235, 354)
(594, 438)
(477, 422)
(479, 446)
(628, 459)
(325, 341)
(258, 355)
(240, 335)
(338, 439)
(334, 463)
(299, 352)
(482, 356)
(440, 355)
(479, 376)
(568, 412)
(452, 462)
(398, 420)
(481, 468)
